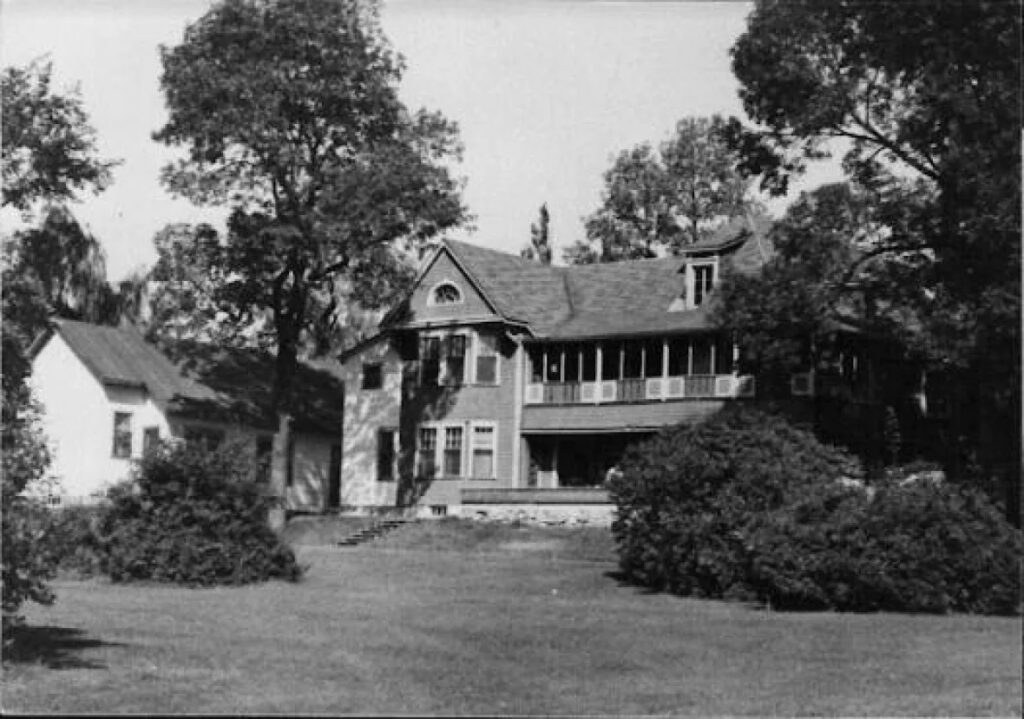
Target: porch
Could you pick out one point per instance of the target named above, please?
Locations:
(635, 370)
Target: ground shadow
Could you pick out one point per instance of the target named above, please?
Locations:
(624, 580)
(53, 647)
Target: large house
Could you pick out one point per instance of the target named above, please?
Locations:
(502, 383)
(107, 394)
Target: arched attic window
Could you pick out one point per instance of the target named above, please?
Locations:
(446, 293)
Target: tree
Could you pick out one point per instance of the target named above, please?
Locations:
(926, 96)
(539, 248)
(666, 200)
(182, 293)
(70, 266)
(289, 113)
(49, 147)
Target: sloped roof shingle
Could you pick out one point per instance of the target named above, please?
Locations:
(203, 381)
(612, 299)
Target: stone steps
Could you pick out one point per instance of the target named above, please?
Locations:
(370, 533)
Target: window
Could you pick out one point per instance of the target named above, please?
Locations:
(453, 451)
(443, 360)
(483, 451)
(385, 455)
(122, 435)
(373, 376)
(426, 447)
(446, 294)
(150, 439)
(430, 360)
(455, 359)
(487, 360)
(703, 281)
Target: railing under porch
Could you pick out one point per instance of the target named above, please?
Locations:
(641, 389)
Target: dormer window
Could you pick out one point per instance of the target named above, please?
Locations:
(446, 293)
(703, 282)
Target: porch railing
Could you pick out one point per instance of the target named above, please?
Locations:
(648, 389)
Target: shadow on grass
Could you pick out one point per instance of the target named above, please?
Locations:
(624, 580)
(53, 647)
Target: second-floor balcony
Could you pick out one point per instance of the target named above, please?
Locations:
(646, 370)
(644, 389)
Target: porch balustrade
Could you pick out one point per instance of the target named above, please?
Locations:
(641, 370)
(648, 389)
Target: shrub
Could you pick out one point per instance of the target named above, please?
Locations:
(687, 497)
(194, 517)
(28, 563)
(73, 538)
(919, 546)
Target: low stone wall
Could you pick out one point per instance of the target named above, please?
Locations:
(598, 515)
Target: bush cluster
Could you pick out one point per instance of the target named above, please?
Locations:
(919, 546)
(747, 506)
(193, 517)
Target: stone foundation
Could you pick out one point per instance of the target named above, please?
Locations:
(596, 515)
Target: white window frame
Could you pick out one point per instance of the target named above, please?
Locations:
(691, 281)
(130, 432)
(469, 359)
(477, 344)
(416, 455)
(432, 297)
(493, 426)
(466, 455)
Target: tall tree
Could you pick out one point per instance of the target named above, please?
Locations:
(927, 97)
(289, 113)
(539, 248)
(49, 147)
(664, 200)
(48, 156)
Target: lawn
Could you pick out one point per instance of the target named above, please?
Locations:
(506, 623)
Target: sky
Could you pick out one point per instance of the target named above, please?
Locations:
(545, 93)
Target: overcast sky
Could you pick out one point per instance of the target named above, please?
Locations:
(545, 93)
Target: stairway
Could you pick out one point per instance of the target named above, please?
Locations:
(372, 532)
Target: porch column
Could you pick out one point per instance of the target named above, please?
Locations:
(713, 348)
(599, 359)
(689, 356)
(664, 368)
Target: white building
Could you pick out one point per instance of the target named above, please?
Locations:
(107, 393)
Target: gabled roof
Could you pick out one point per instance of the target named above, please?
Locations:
(600, 300)
(202, 381)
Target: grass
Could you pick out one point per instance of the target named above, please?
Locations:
(501, 623)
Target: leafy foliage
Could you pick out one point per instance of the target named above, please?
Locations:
(198, 517)
(49, 148)
(68, 265)
(746, 506)
(687, 498)
(28, 559)
(917, 546)
(288, 111)
(926, 96)
(668, 199)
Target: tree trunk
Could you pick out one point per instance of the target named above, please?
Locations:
(280, 468)
(281, 464)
